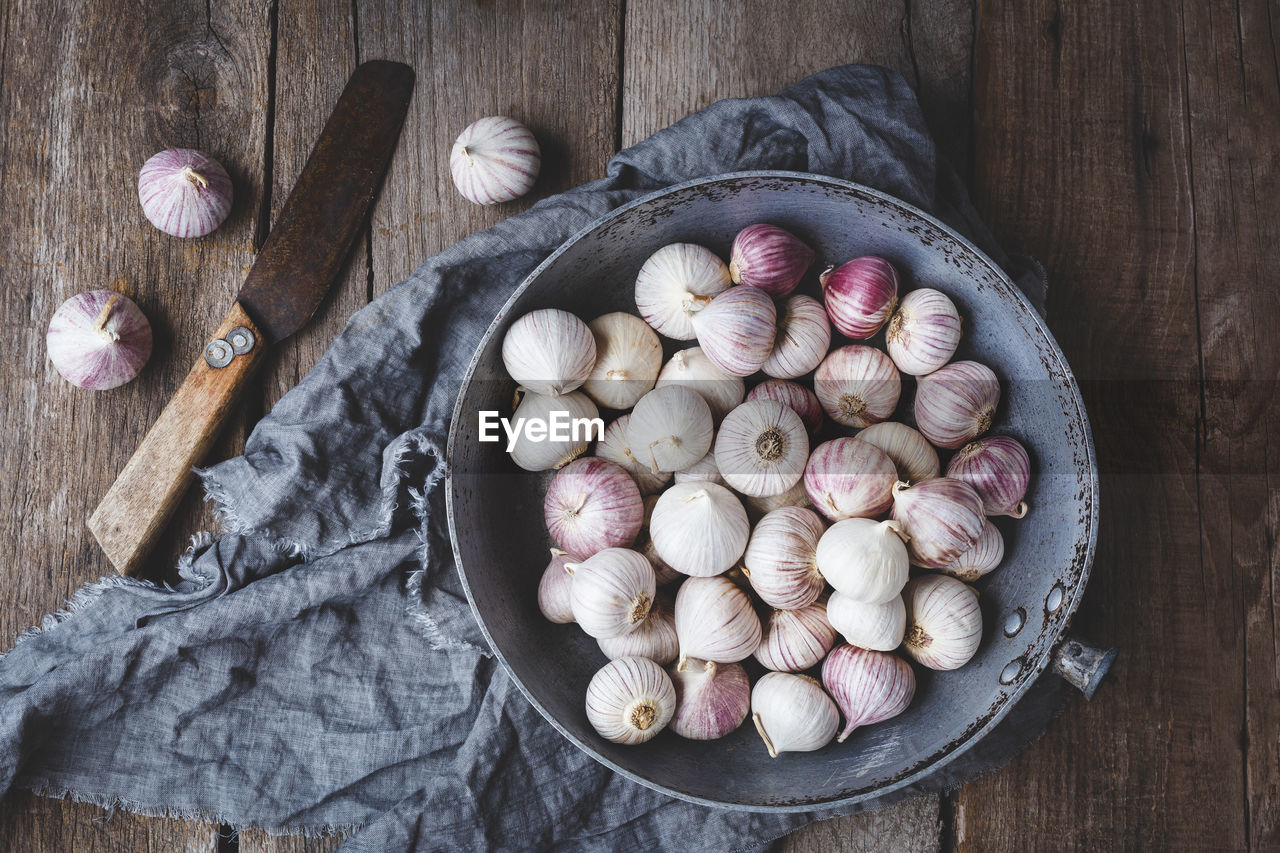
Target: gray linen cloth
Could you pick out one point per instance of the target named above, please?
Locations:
(319, 668)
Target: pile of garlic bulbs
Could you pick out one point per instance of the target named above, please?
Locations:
(717, 524)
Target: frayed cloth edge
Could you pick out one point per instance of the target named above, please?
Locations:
(231, 522)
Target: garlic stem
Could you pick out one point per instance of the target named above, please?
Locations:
(100, 324)
(773, 753)
(466, 152)
(197, 180)
(682, 662)
(1020, 511)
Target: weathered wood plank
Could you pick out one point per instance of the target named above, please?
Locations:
(913, 826)
(34, 824)
(1081, 158)
(257, 841)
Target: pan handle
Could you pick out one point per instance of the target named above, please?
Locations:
(1082, 665)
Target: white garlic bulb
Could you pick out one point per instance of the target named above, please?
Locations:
(613, 446)
(848, 478)
(982, 558)
(592, 504)
(612, 592)
(956, 403)
(715, 621)
(868, 686)
(495, 159)
(699, 529)
(911, 454)
(554, 590)
(630, 700)
(942, 518)
(864, 559)
(781, 558)
(857, 385)
(628, 358)
(548, 454)
(692, 369)
(795, 640)
(549, 351)
(737, 328)
(869, 626)
(944, 622)
(712, 699)
(654, 638)
(802, 339)
(924, 332)
(670, 428)
(677, 282)
(792, 713)
(702, 471)
(758, 508)
(762, 448)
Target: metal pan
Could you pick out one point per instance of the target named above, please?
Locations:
(495, 511)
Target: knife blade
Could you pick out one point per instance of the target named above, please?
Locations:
(302, 256)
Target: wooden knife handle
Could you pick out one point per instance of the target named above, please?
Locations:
(134, 511)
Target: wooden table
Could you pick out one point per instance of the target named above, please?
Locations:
(1130, 146)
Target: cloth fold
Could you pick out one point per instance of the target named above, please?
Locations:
(318, 667)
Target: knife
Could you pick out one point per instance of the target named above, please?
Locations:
(300, 259)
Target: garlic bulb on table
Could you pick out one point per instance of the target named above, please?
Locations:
(781, 558)
(912, 455)
(677, 282)
(868, 686)
(770, 258)
(857, 386)
(942, 518)
(794, 396)
(630, 700)
(956, 403)
(613, 446)
(802, 339)
(591, 505)
(792, 713)
(690, 368)
(549, 351)
(495, 159)
(737, 328)
(699, 529)
(860, 295)
(612, 592)
(944, 622)
(654, 638)
(761, 448)
(879, 627)
(628, 358)
(982, 558)
(924, 332)
(554, 597)
(999, 470)
(712, 699)
(864, 559)
(795, 640)
(715, 621)
(670, 428)
(184, 192)
(98, 340)
(545, 455)
(848, 478)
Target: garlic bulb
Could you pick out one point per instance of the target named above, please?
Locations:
(944, 622)
(924, 332)
(677, 282)
(762, 448)
(864, 559)
(692, 369)
(868, 686)
(792, 713)
(654, 638)
(781, 558)
(699, 529)
(770, 258)
(794, 396)
(712, 699)
(912, 455)
(956, 403)
(548, 454)
(736, 330)
(554, 589)
(999, 470)
(758, 508)
(628, 358)
(795, 640)
(663, 573)
(630, 700)
(702, 471)
(549, 351)
(802, 338)
(613, 446)
(982, 558)
(98, 340)
(868, 626)
(591, 505)
(495, 159)
(848, 478)
(942, 518)
(670, 428)
(860, 295)
(857, 385)
(612, 592)
(184, 192)
(715, 621)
